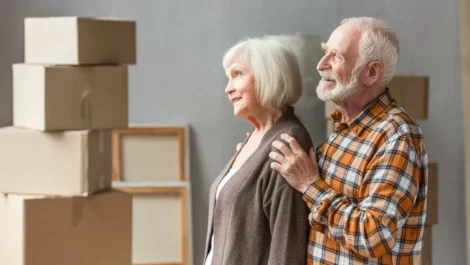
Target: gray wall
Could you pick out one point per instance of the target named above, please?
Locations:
(179, 79)
(5, 59)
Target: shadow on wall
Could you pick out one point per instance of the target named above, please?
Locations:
(5, 123)
(309, 108)
(199, 202)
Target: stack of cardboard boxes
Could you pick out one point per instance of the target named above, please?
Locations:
(412, 93)
(57, 205)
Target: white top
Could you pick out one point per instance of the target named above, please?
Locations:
(227, 177)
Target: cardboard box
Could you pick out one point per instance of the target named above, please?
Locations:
(50, 98)
(54, 163)
(432, 207)
(79, 40)
(40, 230)
(411, 92)
(426, 256)
(330, 107)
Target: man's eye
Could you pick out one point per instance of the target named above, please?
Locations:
(238, 73)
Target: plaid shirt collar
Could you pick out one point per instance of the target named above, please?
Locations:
(372, 111)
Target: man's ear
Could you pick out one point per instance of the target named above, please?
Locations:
(373, 73)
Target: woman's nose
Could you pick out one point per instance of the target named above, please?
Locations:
(229, 88)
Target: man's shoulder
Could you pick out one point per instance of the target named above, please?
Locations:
(395, 121)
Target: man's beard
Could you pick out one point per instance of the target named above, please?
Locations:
(339, 92)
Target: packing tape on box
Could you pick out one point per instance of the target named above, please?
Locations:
(85, 99)
(77, 211)
(85, 106)
(101, 143)
(85, 165)
(103, 148)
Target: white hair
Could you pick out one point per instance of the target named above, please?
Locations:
(378, 43)
(278, 81)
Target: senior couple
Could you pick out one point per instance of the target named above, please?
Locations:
(359, 198)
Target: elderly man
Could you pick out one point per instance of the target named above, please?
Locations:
(367, 192)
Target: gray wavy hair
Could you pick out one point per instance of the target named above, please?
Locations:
(378, 43)
(278, 81)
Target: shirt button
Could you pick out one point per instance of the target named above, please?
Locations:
(333, 136)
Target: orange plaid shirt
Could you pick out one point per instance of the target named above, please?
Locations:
(370, 205)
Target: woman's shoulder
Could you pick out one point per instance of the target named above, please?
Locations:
(300, 134)
(293, 127)
(271, 179)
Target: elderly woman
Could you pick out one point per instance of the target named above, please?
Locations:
(255, 217)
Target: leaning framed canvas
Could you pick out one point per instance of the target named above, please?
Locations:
(160, 225)
(464, 19)
(149, 154)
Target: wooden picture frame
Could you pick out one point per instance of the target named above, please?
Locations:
(181, 193)
(432, 215)
(138, 136)
(464, 12)
(412, 93)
